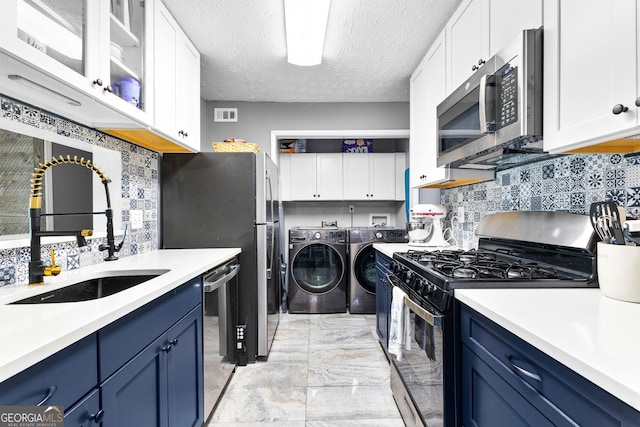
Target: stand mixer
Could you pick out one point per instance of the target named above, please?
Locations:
(425, 228)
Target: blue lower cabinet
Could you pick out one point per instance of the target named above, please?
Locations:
(59, 380)
(489, 401)
(162, 385)
(145, 369)
(185, 372)
(136, 394)
(86, 413)
(505, 381)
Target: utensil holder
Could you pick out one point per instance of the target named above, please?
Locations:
(618, 271)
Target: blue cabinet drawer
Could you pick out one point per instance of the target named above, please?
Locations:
(126, 337)
(560, 394)
(65, 377)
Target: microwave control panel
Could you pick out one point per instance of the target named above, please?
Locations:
(507, 83)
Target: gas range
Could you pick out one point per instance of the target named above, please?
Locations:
(510, 254)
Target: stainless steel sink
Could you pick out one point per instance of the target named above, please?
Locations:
(94, 288)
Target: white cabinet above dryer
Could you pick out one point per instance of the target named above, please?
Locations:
(315, 176)
(369, 176)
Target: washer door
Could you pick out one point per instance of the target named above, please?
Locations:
(364, 267)
(317, 268)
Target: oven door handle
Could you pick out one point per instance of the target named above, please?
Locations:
(434, 320)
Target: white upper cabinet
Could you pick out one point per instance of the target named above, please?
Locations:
(427, 90)
(83, 50)
(467, 43)
(590, 72)
(508, 17)
(369, 176)
(177, 81)
(316, 176)
(480, 28)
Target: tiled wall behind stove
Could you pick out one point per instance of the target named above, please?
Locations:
(566, 183)
(139, 191)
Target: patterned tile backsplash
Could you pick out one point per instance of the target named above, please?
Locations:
(566, 183)
(139, 190)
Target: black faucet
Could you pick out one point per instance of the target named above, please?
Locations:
(37, 270)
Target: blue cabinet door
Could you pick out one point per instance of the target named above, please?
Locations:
(136, 395)
(489, 401)
(185, 371)
(86, 413)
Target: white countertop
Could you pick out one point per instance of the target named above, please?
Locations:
(597, 337)
(32, 332)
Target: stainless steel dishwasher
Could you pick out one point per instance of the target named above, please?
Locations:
(220, 356)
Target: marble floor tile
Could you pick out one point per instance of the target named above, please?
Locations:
(391, 422)
(261, 404)
(322, 371)
(371, 352)
(265, 374)
(350, 403)
(348, 373)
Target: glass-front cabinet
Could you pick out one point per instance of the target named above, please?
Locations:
(95, 48)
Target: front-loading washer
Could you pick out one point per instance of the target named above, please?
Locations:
(317, 270)
(362, 264)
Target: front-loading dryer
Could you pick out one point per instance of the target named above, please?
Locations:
(362, 264)
(317, 270)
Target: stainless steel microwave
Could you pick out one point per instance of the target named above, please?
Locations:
(494, 120)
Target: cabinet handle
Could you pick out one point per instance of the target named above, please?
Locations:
(97, 417)
(523, 371)
(108, 89)
(174, 342)
(619, 108)
(638, 101)
(167, 348)
(50, 392)
(97, 82)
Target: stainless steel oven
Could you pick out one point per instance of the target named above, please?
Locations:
(515, 250)
(220, 287)
(417, 379)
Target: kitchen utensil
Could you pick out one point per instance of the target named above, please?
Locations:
(605, 219)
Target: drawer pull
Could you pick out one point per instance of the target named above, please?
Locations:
(523, 371)
(50, 392)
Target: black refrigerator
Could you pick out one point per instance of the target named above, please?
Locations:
(215, 200)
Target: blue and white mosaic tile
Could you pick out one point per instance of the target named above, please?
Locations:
(566, 183)
(139, 188)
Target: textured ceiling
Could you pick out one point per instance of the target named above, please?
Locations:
(371, 49)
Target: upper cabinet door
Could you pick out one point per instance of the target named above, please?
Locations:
(590, 71)
(467, 41)
(507, 18)
(176, 81)
(84, 50)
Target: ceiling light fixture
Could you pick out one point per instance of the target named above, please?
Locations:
(306, 25)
